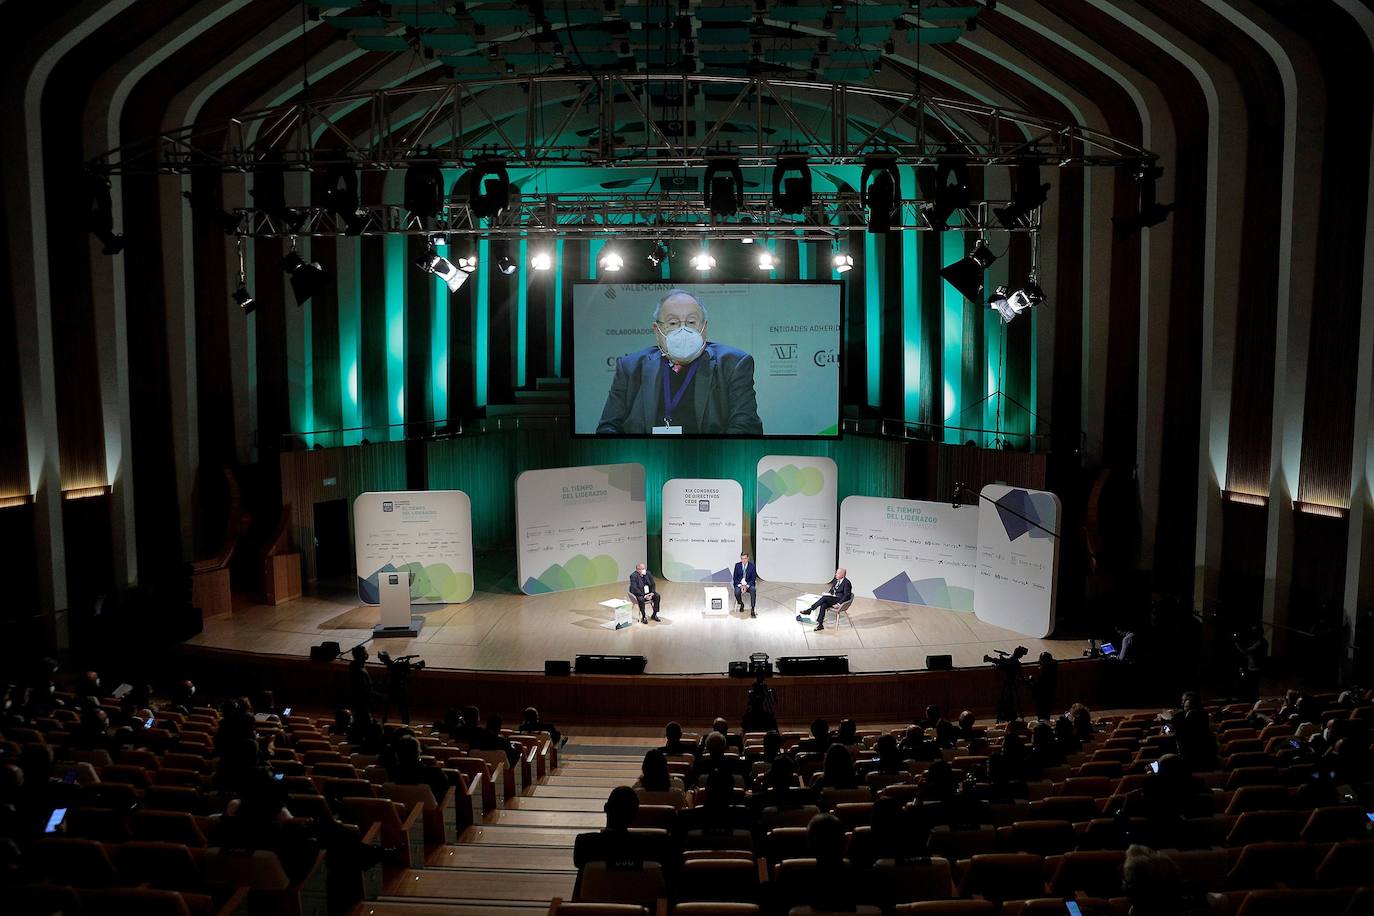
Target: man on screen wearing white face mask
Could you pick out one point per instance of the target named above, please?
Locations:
(683, 385)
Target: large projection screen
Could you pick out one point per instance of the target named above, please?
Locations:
(769, 367)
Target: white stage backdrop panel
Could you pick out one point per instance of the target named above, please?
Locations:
(1018, 562)
(703, 531)
(790, 330)
(910, 551)
(795, 504)
(579, 527)
(425, 533)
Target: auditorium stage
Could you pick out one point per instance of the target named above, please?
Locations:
(514, 632)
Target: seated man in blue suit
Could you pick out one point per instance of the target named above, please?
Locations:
(839, 592)
(746, 580)
(682, 385)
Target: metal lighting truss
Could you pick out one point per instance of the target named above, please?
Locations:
(679, 121)
(553, 120)
(632, 217)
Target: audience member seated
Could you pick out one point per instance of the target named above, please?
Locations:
(888, 761)
(408, 770)
(616, 844)
(894, 834)
(819, 740)
(721, 727)
(838, 772)
(673, 745)
(654, 775)
(716, 759)
(1155, 886)
(531, 724)
(717, 813)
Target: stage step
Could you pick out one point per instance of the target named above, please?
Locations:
(561, 790)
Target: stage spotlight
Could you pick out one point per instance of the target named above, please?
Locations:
(341, 198)
(1009, 304)
(1029, 195)
(307, 277)
(724, 184)
(966, 274)
(951, 192)
(766, 260)
(880, 190)
(1150, 212)
(269, 191)
(432, 262)
(792, 184)
(467, 263)
(541, 260)
(506, 264)
(424, 188)
(100, 214)
(703, 261)
(658, 253)
(611, 261)
(489, 188)
(842, 262)
(242, 298)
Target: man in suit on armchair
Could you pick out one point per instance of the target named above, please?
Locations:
(684, 384)
(839, 592)
(642, 589)
(746, 580)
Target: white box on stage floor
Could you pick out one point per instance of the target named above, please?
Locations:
(393, 591)
(805, 601)
(621, 609)
(716, 603)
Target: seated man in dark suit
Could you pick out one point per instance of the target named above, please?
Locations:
(718, 814)
(682, 385)
(673, 745)
(408, 770)
(746, 580)
(642, 589)
(721, 726)
(616, 844)
(839, 591)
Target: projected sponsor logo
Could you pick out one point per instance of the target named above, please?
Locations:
(784, 363)
(825, 357)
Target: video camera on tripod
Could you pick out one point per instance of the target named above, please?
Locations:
(401, 666)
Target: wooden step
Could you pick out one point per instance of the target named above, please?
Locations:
(559, 790)
(608, 782)
(567, 819)
(495, 835)
(400, 908)
(550, 803)
(520, 858)
(439, 885)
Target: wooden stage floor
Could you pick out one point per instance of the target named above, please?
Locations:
(515, 632)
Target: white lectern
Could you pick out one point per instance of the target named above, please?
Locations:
(393, 590)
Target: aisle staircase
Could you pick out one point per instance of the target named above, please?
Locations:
(520, 855)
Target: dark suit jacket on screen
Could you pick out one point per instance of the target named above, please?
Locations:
(723, 393)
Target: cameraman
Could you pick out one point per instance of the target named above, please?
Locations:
(1008, 702)
(760, 707)
(362, 693)
(398, 672)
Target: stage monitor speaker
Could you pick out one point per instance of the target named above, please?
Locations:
(813, 664)
(557, 667)
(739, 669)
(940, 662)
(324, 652)
(611, 664)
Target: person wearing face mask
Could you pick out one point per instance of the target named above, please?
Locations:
(683, 385)
(643, 588)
